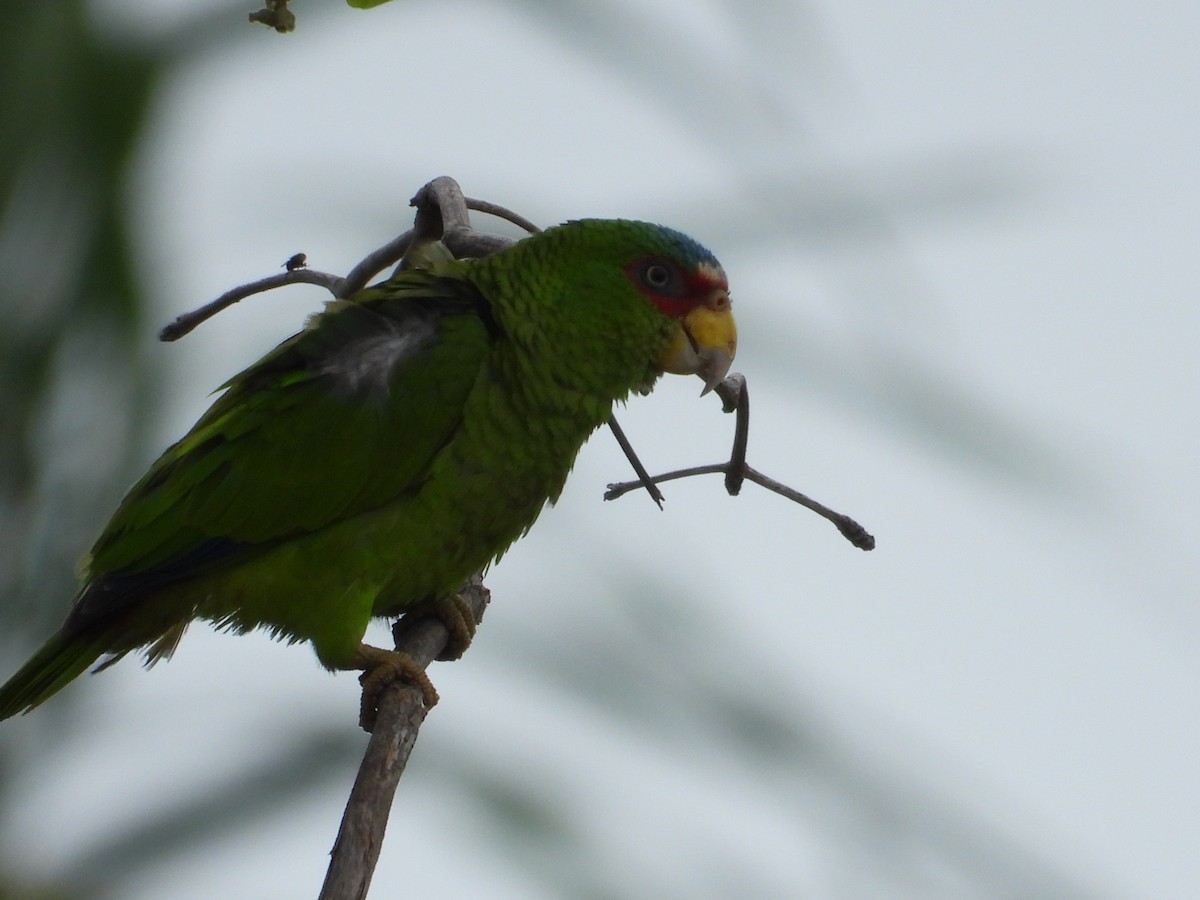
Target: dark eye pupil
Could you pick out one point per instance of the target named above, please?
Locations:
(657, 276)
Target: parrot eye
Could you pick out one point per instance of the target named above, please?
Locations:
(660, 276)
(657, 276)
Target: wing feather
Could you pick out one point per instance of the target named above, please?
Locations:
(341, 418)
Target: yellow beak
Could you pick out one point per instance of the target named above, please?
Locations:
(705, 342)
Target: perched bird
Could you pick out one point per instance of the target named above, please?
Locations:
(394, 447)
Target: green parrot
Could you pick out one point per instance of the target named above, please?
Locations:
(398, 444)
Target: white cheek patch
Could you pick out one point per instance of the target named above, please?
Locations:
(714, 273)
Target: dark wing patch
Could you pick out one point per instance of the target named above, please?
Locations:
(110, 591)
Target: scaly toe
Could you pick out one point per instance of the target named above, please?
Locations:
(453, 612)
(381, 668)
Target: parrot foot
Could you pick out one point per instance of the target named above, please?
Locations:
(381, 668)
(454, 612)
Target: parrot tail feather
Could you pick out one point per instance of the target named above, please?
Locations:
(63, 658)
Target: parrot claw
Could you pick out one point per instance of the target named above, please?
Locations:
(453, 612)
(381, 668)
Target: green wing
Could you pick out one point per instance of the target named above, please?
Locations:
(343, 417)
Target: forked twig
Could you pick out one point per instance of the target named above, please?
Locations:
(441, 198)
(643, 476)
(735, 396)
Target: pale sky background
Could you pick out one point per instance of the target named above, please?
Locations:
(992, 365)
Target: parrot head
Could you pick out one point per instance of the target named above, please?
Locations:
(631, 299)
(691, 288)
(686, 288)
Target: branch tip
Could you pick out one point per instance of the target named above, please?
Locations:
(188, 321)
(735, 396)
(644, 479)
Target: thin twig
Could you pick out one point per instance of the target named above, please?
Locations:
(735, 397)
(850, 529)
(465, 242)
(401, 712)
(374, 263)
(730, 391)
(441, 200)
(500, 212)
(741, 437)
(643, 476)
(621, 488)
(189, 320)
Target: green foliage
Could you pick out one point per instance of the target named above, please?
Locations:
(69, 296)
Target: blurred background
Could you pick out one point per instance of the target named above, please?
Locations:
(961, 240)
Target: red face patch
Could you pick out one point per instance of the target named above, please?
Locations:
(675, 290)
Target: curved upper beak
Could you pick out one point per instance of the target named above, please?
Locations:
(705, 342)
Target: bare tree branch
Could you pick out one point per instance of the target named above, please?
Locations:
(374, 263)
(401, 712)
(500, 212)
(189, 320)
(442, 212)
